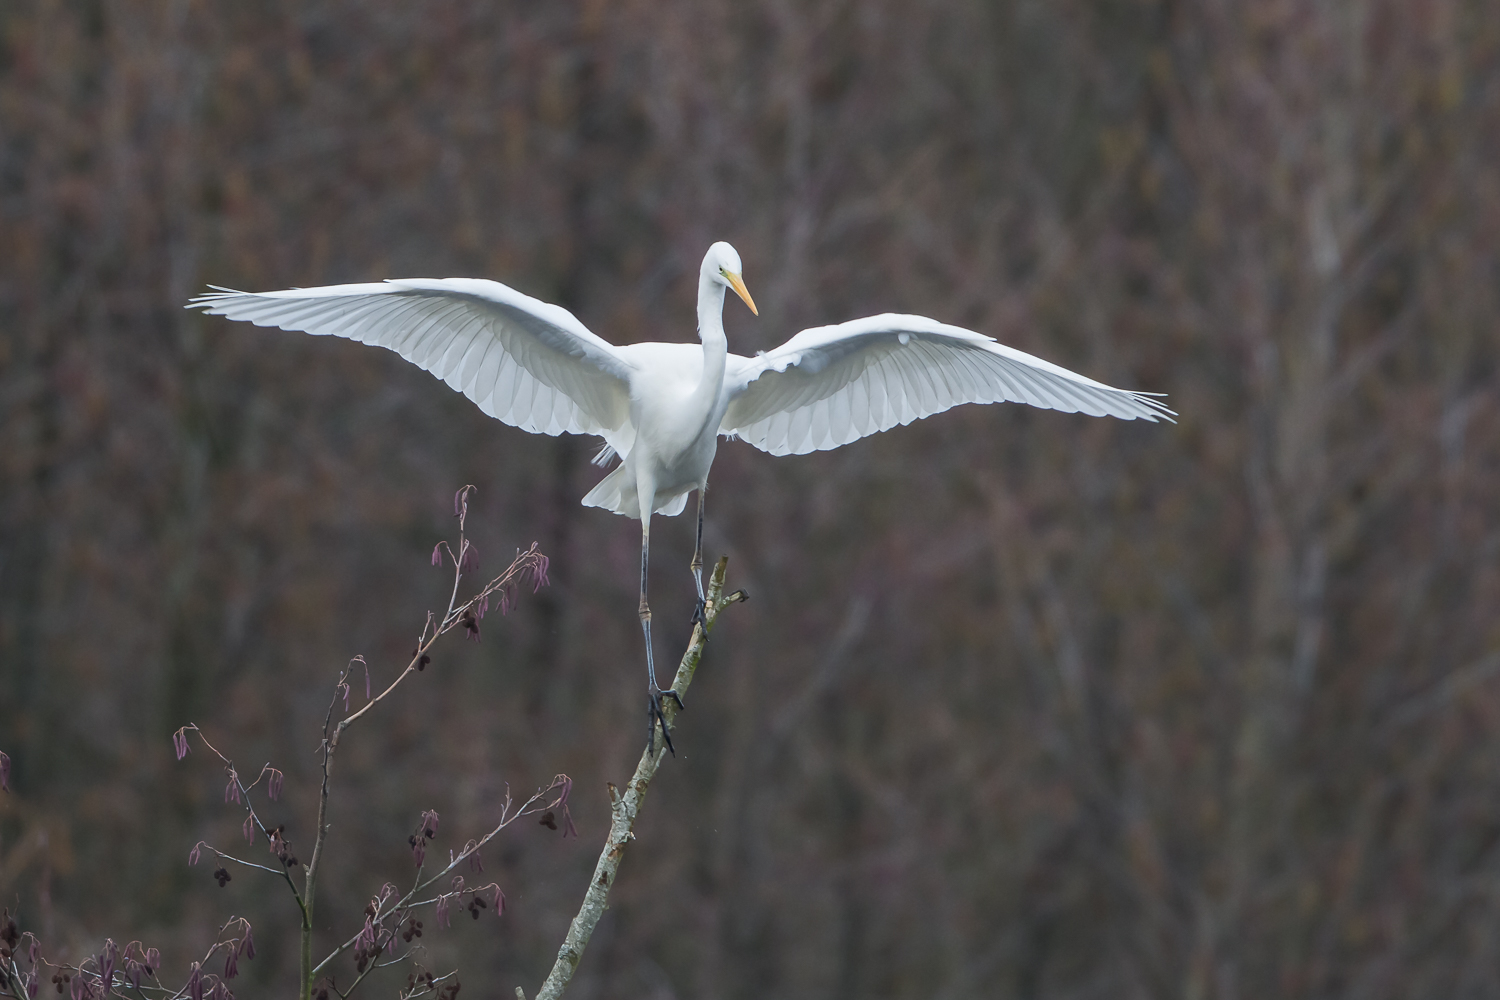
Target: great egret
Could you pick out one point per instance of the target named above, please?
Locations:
(662, 407)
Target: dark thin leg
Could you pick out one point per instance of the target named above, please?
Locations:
(697, 567)
(654, 693)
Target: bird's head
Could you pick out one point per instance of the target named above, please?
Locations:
(722, 264)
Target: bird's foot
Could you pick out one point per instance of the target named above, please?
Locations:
(656, 716)
(700, 616)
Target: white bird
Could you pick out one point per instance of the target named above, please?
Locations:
(663, 407)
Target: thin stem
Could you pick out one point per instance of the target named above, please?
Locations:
(530, 562)
(531, 806)
(450, 619)
(330, 745)
(241, 861)
(531, 559)
(250, 808)
(624, 807)
(458, 570)
(203, 962)
(427, 987)
(10, 978)
(410, 668)
(369, 968)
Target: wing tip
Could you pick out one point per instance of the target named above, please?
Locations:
(205, 300)
(1158, 411)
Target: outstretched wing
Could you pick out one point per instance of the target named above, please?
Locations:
(832, 384)
(525, 362)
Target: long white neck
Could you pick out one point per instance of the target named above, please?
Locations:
(715, 344)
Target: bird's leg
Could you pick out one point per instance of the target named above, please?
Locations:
(697, 567)
(654, 693)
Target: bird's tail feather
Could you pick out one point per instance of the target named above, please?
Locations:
(617, 492)
(605, 456)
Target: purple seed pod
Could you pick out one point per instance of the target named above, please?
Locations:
(366, 939)
(107, 964)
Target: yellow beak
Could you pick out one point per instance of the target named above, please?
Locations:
(738, 284)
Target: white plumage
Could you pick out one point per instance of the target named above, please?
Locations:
(662, 407)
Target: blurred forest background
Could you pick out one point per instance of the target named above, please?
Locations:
(1024, 705)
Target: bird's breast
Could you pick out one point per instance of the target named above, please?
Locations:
(675, 425)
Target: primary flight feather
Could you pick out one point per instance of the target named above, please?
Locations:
(663, 407)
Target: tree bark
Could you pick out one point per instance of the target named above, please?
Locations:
(626, 805)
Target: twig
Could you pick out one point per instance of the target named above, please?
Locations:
(311, 881)
(101, 975)
(530, 562)
(220, 855)
(249, 808)
(531, 806)
(625, 807)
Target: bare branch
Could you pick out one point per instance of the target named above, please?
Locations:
(625, 807)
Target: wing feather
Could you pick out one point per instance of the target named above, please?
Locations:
(900, 379)
(829, 385)
(839, 418)
(930, 366)
(480, 350)
(467, 352)
(910, 389)
(974, 383)
(480, 386)
(929, 378)
(504, 392)
(801, 423)
(526, 362)
(521, 403)
(451, 336)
